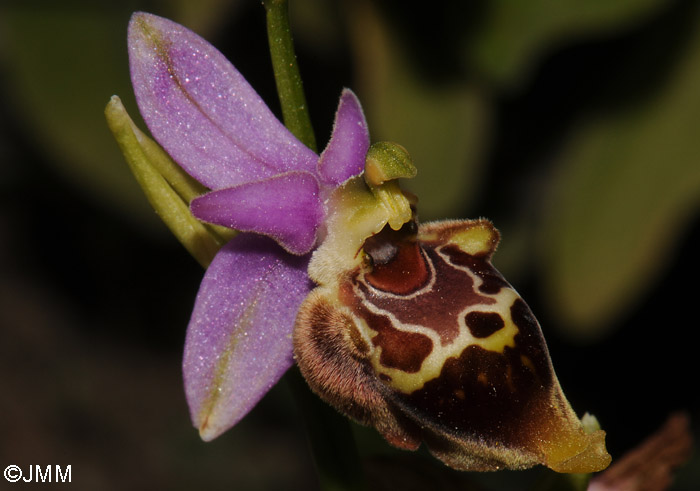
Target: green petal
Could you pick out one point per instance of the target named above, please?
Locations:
(166, 186)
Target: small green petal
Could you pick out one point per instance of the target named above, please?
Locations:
(168, 188)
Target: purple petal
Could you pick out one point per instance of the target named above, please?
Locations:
(344, 156)
(202, 110)
(285, 207)
(239, 338)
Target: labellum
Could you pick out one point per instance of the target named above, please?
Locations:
(413, 331)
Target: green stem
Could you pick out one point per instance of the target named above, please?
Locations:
(284, 62)
(330, 435)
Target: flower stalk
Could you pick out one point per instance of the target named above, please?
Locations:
(290, 88)
(329, 433)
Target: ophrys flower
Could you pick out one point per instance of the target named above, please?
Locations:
(409, 329)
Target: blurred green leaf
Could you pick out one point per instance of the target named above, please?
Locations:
(627, 186)
(514, 34)
(63, 65)
(64, 60)
(442, 127)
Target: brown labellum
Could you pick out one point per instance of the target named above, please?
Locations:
(424, 340)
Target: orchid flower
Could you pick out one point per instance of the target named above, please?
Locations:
(263, 180)
(403, 326)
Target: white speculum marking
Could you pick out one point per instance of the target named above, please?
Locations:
(428, 286)
(432, 365)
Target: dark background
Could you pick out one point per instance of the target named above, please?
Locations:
(95, 295)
